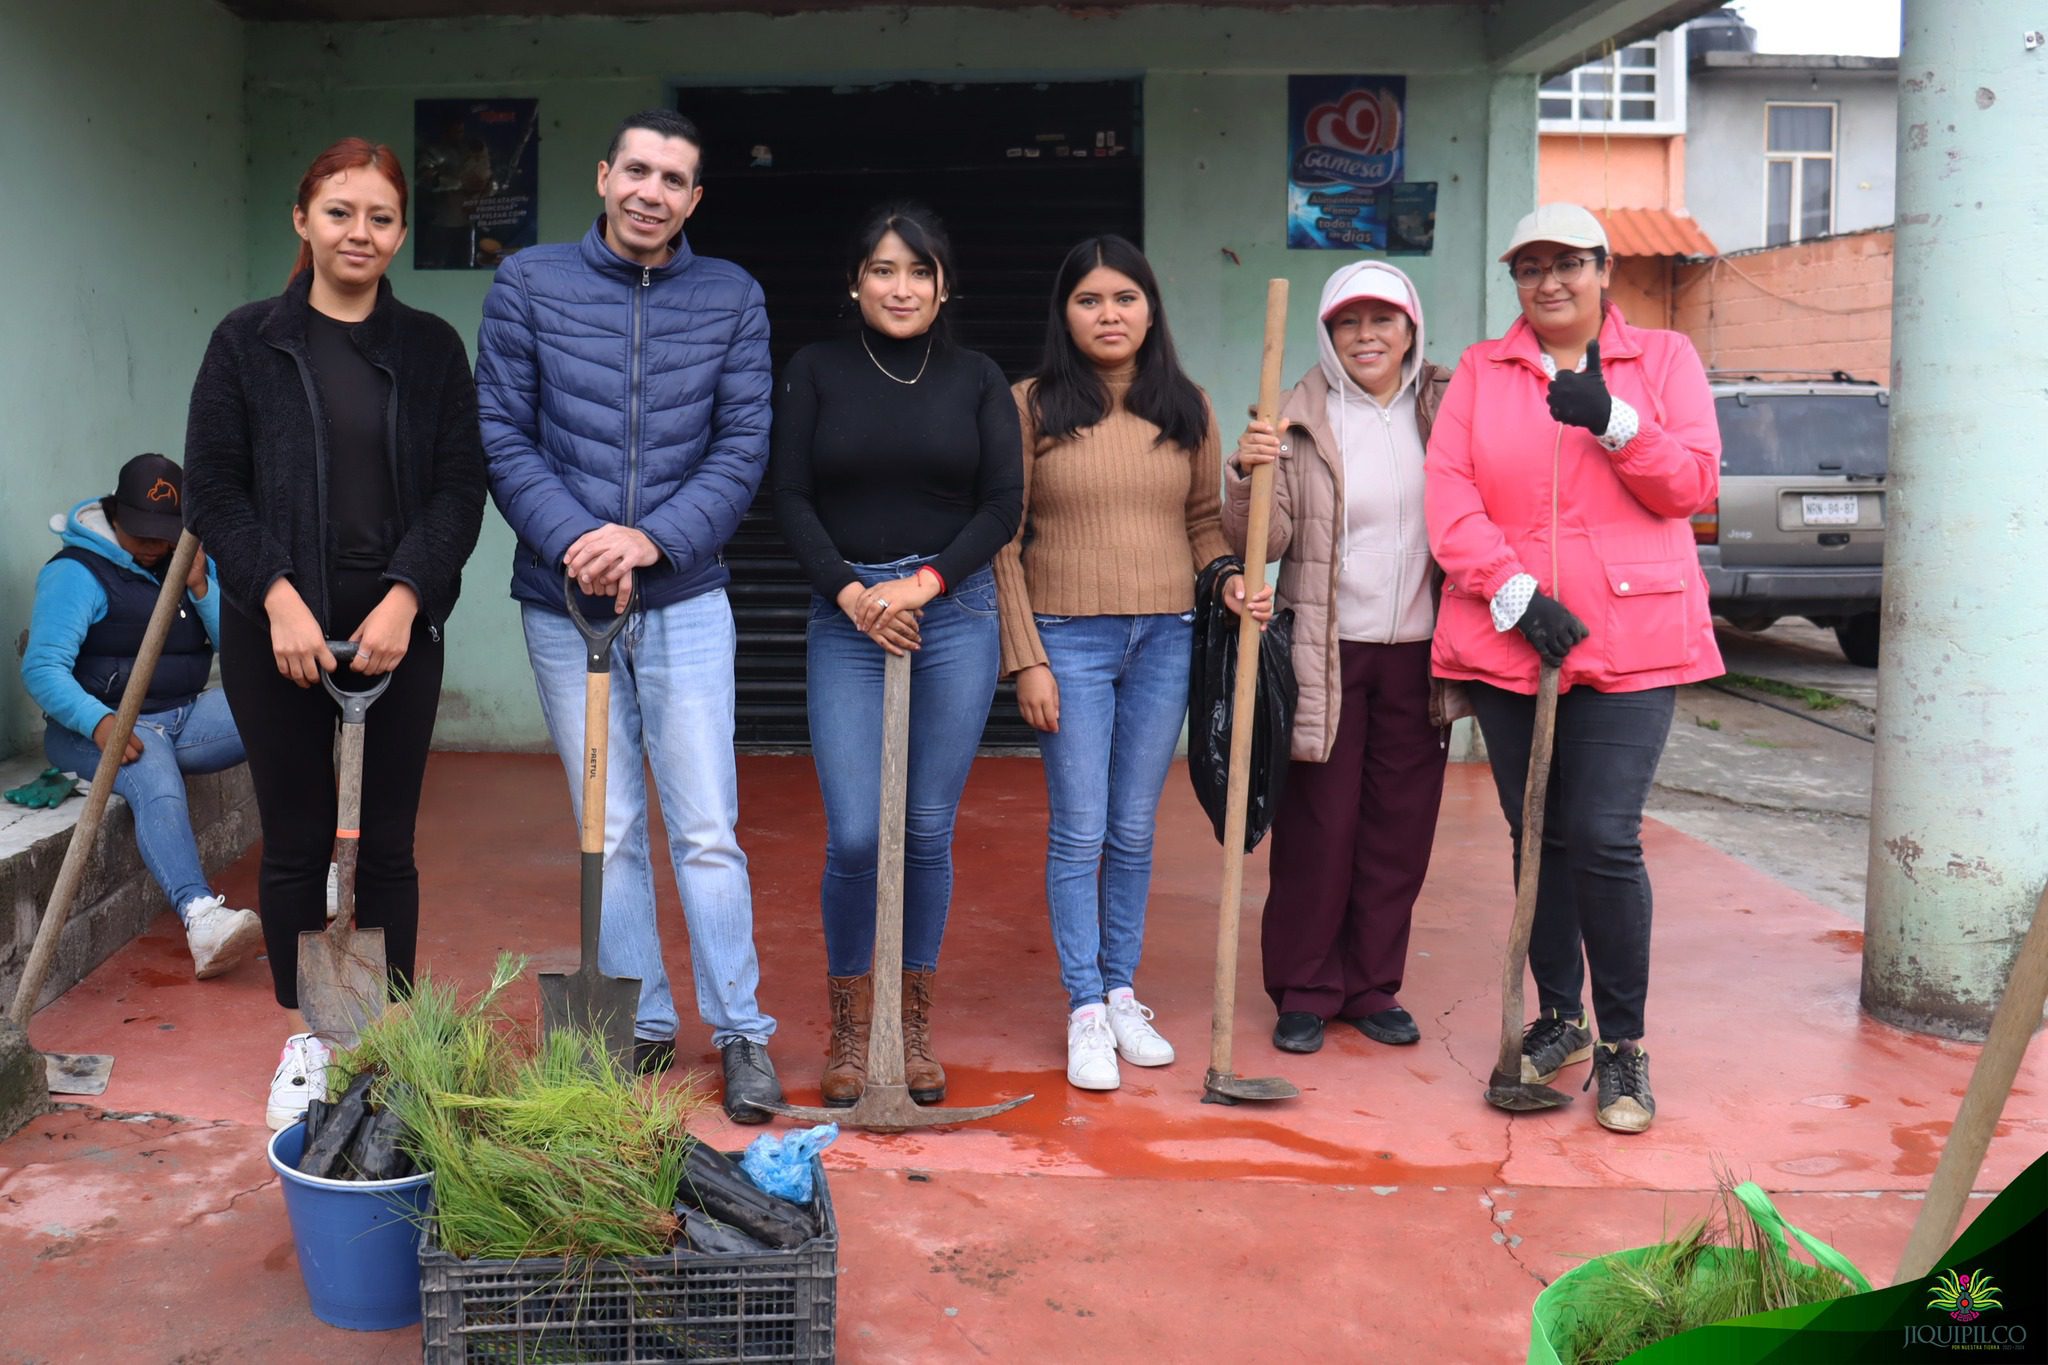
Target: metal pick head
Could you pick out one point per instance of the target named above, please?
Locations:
(1517, 1096)
(1226, 1088)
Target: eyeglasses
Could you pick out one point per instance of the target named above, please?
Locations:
(1529, 275)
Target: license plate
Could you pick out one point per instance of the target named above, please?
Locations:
(1820, 509)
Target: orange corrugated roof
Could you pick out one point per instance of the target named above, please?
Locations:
(1653, 232)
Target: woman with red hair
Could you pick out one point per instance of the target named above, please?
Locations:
(335, 473)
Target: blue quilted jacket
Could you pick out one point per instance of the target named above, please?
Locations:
(613, 392)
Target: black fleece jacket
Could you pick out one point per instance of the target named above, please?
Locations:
(256, 468)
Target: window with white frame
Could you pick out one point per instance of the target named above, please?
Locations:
(1799, 172)
(1635, 89)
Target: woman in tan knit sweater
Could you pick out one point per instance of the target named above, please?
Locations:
(1122, 465)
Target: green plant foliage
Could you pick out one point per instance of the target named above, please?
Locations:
(1723, 1266)
(535, 1151)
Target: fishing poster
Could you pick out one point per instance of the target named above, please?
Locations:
(1344, 162)
(476, 182)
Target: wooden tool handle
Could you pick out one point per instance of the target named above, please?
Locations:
(597, 715)
(40, 956)
(1244, 697)
(885, 968)
(348, 822)
(1535, 798)
(1962, 1156)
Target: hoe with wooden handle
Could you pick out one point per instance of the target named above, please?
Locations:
(885, 1105)
(1221, 1085)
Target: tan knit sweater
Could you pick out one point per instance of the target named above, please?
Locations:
(1113, 525)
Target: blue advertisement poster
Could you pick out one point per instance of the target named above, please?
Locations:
(1343, 155)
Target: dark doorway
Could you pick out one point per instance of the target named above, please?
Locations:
(1018, 171)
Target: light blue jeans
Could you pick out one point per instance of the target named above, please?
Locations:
(1123, 698)
(952, 682)
(199, 737)
(672, 710)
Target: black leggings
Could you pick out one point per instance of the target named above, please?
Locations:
(1593, 889)
(289, 733)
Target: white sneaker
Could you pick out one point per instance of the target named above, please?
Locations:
(301, 1075)
(1137, 1042)
(1091, 1050)
(218, 937)
(333, 890)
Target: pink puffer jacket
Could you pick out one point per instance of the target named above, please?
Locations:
(1511, 491)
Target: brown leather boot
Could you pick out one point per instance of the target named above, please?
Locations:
(922, 1074)
(846, 1059)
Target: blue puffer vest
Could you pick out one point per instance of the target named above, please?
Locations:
(615, 392)
(107, 654)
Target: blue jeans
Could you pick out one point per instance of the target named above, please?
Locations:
(952, 682)
(199, 737)
(672, 710)
(1123, 684)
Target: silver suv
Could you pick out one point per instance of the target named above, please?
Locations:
(1799, 530)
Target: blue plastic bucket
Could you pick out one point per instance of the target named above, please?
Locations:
(358, 1240)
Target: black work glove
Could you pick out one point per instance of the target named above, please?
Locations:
(1581, 399)
(1552, 629)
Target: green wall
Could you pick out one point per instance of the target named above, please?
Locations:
(122, 223)
(1214, 142)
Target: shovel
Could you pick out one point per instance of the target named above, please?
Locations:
(586, 999)
(885, 1105)
(1221, 1086)
(1506, 1089)
(86, 1073)
(342, 969)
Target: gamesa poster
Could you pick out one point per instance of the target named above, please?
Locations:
(476, 182)
(1344, 146)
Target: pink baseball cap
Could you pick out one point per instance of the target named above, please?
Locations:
(1376, 284)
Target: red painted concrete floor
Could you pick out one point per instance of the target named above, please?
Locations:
(1387, 1215)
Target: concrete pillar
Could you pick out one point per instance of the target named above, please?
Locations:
(1959, 810)
(1510, 187)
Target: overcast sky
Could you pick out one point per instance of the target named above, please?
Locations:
(1859, 28)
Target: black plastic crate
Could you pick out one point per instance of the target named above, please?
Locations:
(715, 1310)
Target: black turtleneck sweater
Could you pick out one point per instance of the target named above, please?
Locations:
(869, 470)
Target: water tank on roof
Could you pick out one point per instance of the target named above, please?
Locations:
(1720, 31)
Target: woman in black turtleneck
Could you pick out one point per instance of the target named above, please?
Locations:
(897, 478)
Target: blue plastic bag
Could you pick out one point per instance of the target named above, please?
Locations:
(782, 1165)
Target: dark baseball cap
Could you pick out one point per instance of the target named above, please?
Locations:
(149, 498)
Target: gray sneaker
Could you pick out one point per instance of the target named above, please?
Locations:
(1553, 1043)
(1623, 1070)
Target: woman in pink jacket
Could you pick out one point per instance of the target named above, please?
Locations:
(1562, 469)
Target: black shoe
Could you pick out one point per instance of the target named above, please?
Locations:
(749, 1081)
(1623, 1070)
(1393, 1026)
(652, 1056)
(1298, 1031)
(1553, 1043)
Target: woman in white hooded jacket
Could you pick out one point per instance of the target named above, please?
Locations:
(1351, 840)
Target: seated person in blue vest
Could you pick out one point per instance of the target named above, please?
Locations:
(93, 602)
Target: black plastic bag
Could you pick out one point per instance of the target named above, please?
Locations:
(1212, 686)
(713, 1182)
(323, 1155)
(374, 1153)
(703, 1234)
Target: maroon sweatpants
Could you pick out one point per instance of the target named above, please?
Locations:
(1351, 842)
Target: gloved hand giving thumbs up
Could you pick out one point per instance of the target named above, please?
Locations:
(1582, 400)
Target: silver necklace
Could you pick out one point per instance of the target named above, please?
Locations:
(884, 369)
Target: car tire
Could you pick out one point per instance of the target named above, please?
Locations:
(1857, 636)
(1755, 625)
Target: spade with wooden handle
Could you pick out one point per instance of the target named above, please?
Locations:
(75, 1073)
(1221, 1085)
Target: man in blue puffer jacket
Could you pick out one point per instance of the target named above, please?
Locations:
(623, 384)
